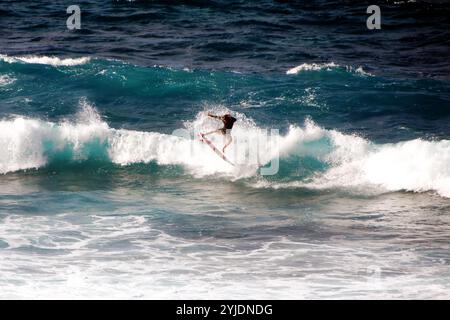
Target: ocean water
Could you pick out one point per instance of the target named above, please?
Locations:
(106, 192)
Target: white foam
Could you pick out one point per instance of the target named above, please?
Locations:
(415, 165)
(53, 61)
(27, 143)
(312, 67)
(362, 72)
(82, 260)
(6, 80)
(328, 67)
(357, 163)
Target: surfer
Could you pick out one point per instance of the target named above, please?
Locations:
(228, 122)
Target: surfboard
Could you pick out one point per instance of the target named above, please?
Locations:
(213, 147)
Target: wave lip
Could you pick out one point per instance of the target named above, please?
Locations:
(46, 60)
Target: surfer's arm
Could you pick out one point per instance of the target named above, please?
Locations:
(213, 116)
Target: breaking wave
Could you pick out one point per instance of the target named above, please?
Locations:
(309, 156)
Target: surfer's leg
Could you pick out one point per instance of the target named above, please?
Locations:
(211, 132)
(228, 140)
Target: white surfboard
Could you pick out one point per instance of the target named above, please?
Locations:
(213, 147)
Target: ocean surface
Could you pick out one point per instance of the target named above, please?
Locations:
(106, 191)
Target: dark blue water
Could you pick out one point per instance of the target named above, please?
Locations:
(105, 191)
(252, 36)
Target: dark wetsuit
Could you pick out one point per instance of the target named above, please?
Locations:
(228, 122)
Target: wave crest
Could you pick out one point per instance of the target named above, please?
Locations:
(327, 67)
(52, 61)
